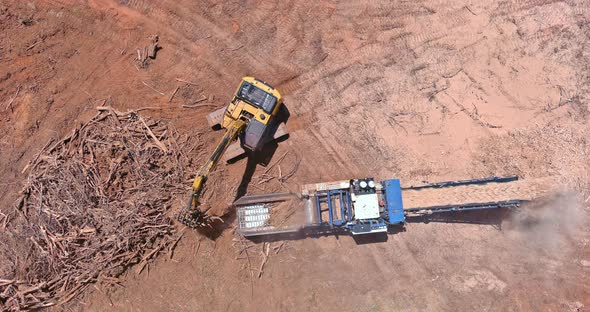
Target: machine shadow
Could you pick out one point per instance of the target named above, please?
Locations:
(493, 217)
(253, 159)
(307, 233)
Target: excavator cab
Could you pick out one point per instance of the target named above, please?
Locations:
(259, 105)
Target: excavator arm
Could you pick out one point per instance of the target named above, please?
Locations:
(253, 110)
(192, 216)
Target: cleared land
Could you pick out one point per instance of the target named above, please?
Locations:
(418, 90)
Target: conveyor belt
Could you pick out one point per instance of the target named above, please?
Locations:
(493, 194)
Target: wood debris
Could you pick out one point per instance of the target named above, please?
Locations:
(147, 85)
(173, 94)
(187, 82)
(264, 253)
(153, 47)
(144, 55)
(196, 103)
(9, 105)
(94, 204)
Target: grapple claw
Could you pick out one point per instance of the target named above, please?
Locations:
(191, 215)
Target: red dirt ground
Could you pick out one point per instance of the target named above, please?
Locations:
(419, 90)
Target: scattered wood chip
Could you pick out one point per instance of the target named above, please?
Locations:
(265, 250)
(187, 82)
(147, 85)
(173, 94)
(158, 142)
(173, 245)
(33, 45)
(9, 105)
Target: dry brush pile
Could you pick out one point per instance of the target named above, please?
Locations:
(94, 204)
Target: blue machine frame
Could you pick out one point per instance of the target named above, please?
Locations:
(345, 206)
(393, 198)
(338, 200)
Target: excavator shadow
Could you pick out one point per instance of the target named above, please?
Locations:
(253, 160)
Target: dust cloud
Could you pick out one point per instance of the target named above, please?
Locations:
(551, 224)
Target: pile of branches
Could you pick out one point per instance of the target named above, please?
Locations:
(94, 204)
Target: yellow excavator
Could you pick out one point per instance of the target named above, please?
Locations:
(254, 117)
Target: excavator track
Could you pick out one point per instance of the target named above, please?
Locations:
(522, 190)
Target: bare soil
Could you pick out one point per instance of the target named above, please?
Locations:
(417, 90)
